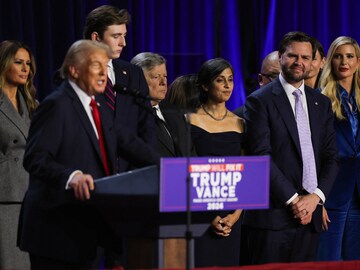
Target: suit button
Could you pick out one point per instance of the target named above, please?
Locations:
(16, 159)
(15, 141)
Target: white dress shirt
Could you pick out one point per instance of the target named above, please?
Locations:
(289, 89)
(111, 72)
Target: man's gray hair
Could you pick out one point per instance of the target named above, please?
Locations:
(148, 60)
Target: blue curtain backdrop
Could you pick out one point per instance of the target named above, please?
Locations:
(186, 32)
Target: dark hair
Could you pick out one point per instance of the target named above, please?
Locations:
(208, 73)
(317, 46)
(100, 18)
(8, 50)
(184, 92)
(294, 37)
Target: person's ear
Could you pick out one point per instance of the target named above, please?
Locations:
(260, 79)
(323, 60)
(73, 72)
(95, 36)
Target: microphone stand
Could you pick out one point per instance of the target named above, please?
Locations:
(188, 232)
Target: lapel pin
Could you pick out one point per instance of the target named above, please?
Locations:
(316, 103)
(124, 72)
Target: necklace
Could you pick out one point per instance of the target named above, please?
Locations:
(213, 117)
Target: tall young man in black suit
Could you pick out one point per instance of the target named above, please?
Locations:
(289, 230)
(107, 24)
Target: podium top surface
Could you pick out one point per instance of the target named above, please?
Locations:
(144, 181)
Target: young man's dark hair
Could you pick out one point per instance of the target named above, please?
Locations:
(100, 18)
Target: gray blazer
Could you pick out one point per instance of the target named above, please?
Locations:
(14, 127)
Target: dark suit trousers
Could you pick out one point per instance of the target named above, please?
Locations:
(289, 245)
(42, 263)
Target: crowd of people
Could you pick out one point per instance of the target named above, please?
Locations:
(304, 116)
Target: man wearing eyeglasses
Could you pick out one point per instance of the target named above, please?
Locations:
(270, 68)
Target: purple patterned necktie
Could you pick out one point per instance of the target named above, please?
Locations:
(309, 180)
(109, 94)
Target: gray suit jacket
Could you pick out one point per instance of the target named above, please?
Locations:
(14, 129)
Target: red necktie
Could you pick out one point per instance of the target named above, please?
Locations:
(97, 120)
(109, 94)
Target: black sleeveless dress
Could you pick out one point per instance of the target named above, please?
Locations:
(216, 144)
(210, 249)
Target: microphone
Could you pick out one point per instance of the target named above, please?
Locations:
(120, 89)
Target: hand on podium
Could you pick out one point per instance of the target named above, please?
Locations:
(82, 184)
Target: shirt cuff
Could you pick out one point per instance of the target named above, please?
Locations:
(291, 199)
(70, 178)
(321, 196)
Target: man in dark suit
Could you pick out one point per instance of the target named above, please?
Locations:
(289, 230)
(107, 24)
(172, 129)
(68, 146)
(172, 135)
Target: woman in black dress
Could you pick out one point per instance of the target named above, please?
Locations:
(216, 131)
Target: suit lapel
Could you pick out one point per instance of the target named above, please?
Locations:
(121, 78)
(173, 121)
(21, 123)
(163, 137)
(108, 113)
(357, 142)
(344, 127)
(109, 137)
(84, 119)
(314, 112)
(282, 104)
(173, 129)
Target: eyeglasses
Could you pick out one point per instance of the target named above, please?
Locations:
(270, 76)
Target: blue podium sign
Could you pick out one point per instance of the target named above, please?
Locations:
(216, 183)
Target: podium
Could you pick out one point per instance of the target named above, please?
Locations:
(129, 203)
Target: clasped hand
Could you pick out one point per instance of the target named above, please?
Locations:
(303, 207)
(222, 226)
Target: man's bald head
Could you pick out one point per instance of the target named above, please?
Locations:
(270, 68)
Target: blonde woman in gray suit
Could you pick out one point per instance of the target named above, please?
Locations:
(17, 102)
